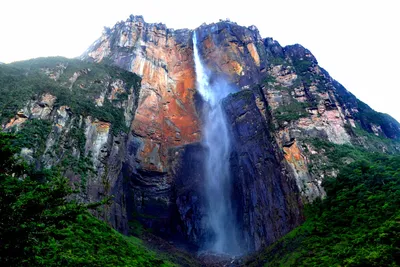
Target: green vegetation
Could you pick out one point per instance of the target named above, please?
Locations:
(335, 156)
(366, 115)
(375, 143)
(357, 224)
(274, 61)
(332, 157)
(269, 79)
(302, 66)
(246, 95)
(23, 81)
(293, 111)
(77, 134)
(34, 135)
(39, 226)
(82, 166)
(306, 78)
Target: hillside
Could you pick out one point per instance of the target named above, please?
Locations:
(357, 224)
(40, 227)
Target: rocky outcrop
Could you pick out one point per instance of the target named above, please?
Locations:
(232, 52)
(40, 109)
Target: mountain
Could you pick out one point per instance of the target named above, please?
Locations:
(127, 120)
(290, 100)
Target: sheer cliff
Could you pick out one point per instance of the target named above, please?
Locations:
(127, 121)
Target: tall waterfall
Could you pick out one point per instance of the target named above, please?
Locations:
(220, 220)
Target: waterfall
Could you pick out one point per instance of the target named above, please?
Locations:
(219, 218)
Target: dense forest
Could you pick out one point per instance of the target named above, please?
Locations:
(357, 224)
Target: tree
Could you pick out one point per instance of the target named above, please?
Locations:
(32, 204)
(41, 226)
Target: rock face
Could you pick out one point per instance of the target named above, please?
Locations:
(288, 99)
(267, 202)
(166, 115)
(64, 125)
(143, 145)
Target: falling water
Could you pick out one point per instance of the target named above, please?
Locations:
(220, 221)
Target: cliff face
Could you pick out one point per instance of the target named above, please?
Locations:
(166, 115)
(141, 142)
(303, 102)
(265, 195)
(306, 103)
(291, 100)
(73, 116)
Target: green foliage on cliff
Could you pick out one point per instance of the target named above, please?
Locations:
(358, 224)
(24, 81)
(277, 61)
(331, 157)
(39, 226)
(269, 79)
(291, 112)
(302, 65)
(366, 115)
(373, 142)
(34, 135)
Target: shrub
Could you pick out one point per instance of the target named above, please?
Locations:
(40, 226)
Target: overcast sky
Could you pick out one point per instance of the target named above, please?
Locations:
(357, 42)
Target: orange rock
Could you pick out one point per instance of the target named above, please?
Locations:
(15, 122)
(293, 155)
(167, 79)
(166, 115)
(117, 88)
(102, 127)
(254, 54)
(236, 67)
(48, 99)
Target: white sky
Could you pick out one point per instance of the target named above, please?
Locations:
(357, 42)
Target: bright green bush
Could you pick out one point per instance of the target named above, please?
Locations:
(291, 112)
